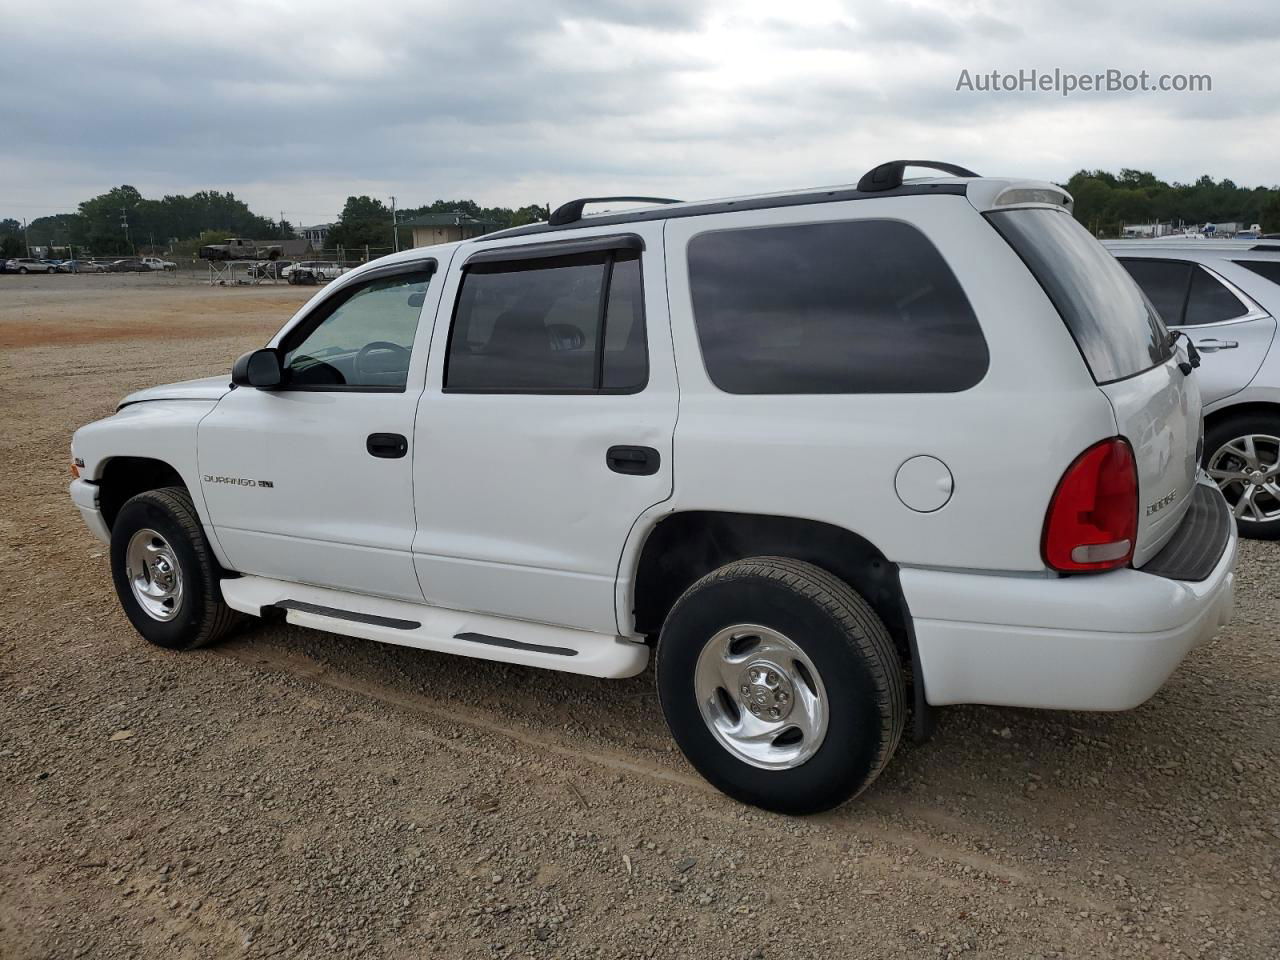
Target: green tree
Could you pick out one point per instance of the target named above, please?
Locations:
(365, 221)
(10, 239)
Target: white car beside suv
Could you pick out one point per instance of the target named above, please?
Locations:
(802, 445)
(1225, 296)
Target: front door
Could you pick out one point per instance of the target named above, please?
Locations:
(312, 482)
(546, 426)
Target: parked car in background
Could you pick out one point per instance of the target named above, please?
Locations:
(923, 429)
(128, 265)
(314, 271)
(1224, 295)
(80, 266)
(269, 269)
(30, 265)
(155, 263)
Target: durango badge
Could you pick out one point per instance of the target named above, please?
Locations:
(239, 481)
(1163, 502)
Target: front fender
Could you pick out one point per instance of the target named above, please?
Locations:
(163, 430)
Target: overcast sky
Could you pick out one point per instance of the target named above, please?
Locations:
(295, 106)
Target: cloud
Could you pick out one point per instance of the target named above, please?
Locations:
(511, 102)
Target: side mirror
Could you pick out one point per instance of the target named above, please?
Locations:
(258, 368)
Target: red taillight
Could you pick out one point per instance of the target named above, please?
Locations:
(1093, 518)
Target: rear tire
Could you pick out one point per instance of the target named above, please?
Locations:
(1225, 446)
(785, 637)
(165, 574)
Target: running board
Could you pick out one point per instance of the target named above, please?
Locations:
(436, 628)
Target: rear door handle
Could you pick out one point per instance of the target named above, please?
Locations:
(633, 461)
(389, 446)
(1213, 346)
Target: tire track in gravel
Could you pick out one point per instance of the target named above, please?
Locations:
(303, 667)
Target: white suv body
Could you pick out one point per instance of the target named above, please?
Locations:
(1225, 296)
(798, 496)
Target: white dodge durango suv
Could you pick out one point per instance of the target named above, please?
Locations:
(814, 450)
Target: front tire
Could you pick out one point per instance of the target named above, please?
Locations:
(1242, 456)
(165, 574)
(781, 685)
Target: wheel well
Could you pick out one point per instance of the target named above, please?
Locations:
(685, 546)
(125, 477)
(1241, 410)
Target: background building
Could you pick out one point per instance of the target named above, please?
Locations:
(431, 228)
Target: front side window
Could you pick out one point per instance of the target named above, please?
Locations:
(569, 324)
(1210, 301)
(863, 306)
(363, 339)
(1116, 329)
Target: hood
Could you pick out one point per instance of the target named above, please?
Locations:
(206, 388)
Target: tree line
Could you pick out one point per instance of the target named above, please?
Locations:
(121, 220)
(1104, 202)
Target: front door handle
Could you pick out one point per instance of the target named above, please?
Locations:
(389, 446)
(633, 461)
(1213, 346)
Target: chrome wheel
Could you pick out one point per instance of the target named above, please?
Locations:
(761, 697)
(1247, 470)
(153, 572)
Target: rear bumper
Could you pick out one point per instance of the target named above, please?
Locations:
(1104, 642)
(85, 496)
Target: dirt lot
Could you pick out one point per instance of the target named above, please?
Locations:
(294, 794)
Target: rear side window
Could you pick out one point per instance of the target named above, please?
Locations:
(864, 306)
(570, 324)
(1263, 268)
(1210, 301)
(1118, 332)
(1165, 283)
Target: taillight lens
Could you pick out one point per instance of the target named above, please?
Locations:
(1093, 518)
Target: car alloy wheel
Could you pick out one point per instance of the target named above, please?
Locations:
(1247, 471)
(154, 574)
(761, 697)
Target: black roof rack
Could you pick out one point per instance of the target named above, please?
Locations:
(888, 176)
(572, 211)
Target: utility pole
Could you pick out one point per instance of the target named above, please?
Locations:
(282, 236)
(124, 222)
(26, 241)
(395, 232)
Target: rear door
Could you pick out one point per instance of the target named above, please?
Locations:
(1130, 353)
(546, 426)
(1231, 332)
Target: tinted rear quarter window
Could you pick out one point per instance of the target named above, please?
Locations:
(1210, 301)
(863, 306)
(1118, 332)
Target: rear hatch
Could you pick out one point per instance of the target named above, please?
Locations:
(1130, 354)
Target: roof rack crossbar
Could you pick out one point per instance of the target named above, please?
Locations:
(888, 176)
(572, 211)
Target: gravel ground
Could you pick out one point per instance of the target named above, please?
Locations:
(295, 794)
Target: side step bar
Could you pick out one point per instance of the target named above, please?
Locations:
(436, 628)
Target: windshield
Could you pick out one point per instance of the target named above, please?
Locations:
(1117, 330)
